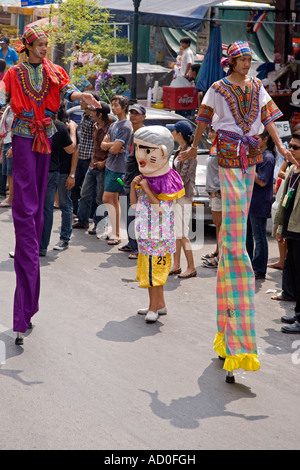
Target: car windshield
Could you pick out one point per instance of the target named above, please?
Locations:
(154, 118)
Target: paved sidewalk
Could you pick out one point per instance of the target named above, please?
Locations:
(93, 375)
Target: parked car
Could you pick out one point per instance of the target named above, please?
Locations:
(164, 118)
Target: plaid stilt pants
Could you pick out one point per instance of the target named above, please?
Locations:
(235, 279)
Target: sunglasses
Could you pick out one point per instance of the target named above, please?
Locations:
(294, 147)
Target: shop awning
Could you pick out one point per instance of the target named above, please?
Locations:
(262, 42)
(165, 13)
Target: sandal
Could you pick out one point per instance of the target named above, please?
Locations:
(209, 255)
(210, 263)
(280, 296)
(125, 248)
(177, 271)
(277, 296)
(114, 241)
(133, 255)
(187, 276)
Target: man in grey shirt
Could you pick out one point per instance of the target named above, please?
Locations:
(116, 143)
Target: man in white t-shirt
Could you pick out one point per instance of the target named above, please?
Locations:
(187, 58)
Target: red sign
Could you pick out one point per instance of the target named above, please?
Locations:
(180, 98)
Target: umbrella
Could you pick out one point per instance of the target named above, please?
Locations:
(211, 70)
(44, 22)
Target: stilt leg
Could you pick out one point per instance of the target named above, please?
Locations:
(230, 378)
(19, 339)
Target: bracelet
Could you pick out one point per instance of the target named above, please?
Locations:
(193, 146)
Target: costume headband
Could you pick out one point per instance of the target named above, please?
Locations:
(236, 49)
(30, 34)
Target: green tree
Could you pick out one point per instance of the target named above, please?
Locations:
(89, 25)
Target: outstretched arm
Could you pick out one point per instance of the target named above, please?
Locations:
(271, 128)
(192, 152)
(87, 97)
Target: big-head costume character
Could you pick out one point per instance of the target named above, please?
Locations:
(155, 222)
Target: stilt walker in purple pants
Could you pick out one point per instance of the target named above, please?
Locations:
(33, 88)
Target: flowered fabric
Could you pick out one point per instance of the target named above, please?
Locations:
(155, 232)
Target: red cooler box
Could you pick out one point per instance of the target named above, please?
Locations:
(180, 98)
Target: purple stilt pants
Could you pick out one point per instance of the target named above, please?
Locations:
(30, 177)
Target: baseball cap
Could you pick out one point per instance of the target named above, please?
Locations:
(4, 40)
(138, 107)
(184, 127)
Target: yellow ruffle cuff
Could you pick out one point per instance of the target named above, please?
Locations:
(248, 362)
(170, 197)
(165, 196)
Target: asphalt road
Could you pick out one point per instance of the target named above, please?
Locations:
(93, 375)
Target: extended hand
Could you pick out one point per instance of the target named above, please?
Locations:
(287, 155)
(90, 100)
(187, 155)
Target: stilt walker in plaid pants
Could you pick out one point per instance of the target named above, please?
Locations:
(238, 106)
(33, 88)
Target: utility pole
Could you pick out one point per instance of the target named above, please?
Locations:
(136, 4)
(282, 32)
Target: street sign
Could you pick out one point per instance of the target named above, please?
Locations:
(283, 128)
(203, 37)
(34, 3)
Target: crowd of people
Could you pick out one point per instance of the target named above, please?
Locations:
(116, 154)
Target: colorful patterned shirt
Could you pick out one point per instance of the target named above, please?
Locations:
(34, 94)
(244, 113)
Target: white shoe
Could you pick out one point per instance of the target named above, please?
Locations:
(151, 316)
(161, 311)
